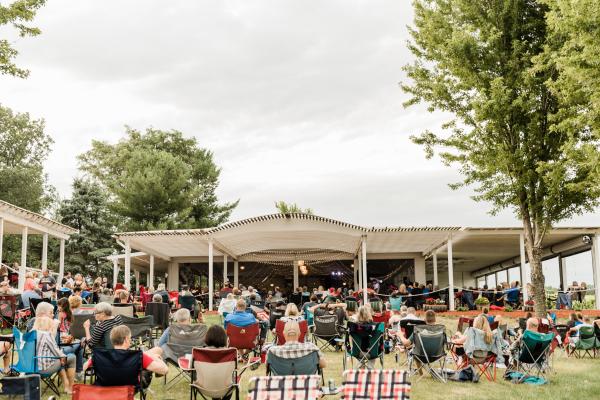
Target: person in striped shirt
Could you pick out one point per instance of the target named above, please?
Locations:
(105, 321)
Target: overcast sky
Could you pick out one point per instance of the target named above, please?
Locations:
(298, 100)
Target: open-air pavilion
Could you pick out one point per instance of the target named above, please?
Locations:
(19, 221)
(452, 257)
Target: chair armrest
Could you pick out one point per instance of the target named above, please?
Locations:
(249, 364)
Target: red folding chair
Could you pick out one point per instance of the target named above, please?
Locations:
(93, 392)
(484, 361)
(279, 325)
(383, 317)
(245, 339)
(174, 298)
(464, 320)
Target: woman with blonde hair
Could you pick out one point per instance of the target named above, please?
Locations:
(364, 315)
(292, 313)
(51, 358)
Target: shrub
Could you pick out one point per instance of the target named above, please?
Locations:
(482, 301)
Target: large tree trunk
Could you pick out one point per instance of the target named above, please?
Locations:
(538, 281)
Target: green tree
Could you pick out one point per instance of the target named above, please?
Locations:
(291, 208)
(482, 61)
(159, 179)
(87, 210)
(16, 14)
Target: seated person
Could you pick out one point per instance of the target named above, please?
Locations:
(120, 337)
(47, 349)
(227, 305)
(429, 320)
(573, 333)
(105, 322)
(27, 295)
(160, 289)
(306, 306)
(181, 317)
(330, 307)
(512, 295)
(292, 314)
(398, 315)
(5, 289)
(476, 337)
(43, 309)
(75, 305)
(65, 319)
(157, 298)
(411, 314)
(242, 316)
(293, 348)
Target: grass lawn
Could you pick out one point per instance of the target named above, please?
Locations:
(572, 378)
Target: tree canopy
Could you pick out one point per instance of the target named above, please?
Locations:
(158, 180)
(291, 208)
(488, 64)
(17, 14)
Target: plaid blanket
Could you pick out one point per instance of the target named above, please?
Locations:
(299, 387)
(367, 384)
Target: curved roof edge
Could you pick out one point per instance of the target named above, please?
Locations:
(36, 218)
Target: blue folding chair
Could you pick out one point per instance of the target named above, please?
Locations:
(25, 345)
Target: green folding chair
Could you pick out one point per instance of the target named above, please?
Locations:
(533, 356)
(585, 346)
(365, 343)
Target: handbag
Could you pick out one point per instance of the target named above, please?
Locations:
(93, 392)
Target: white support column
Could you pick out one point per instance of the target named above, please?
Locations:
(435, 269)
(359, 272)
(296, 280)
(115, 271)
(596, 267)
(355, 271)
(525, 275)
(151, 275)
(420, 275)
(61, 261)
(450, 275)
(210, 275)
(127, 280)
(136, 273)
(1, 237)
(225, 279)
(236, 272)
(563, 271)
(22, 268)
(173, 279)
(44, 251)
(363, 248)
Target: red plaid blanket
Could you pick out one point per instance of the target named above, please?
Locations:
(298, 387)
(367, 384)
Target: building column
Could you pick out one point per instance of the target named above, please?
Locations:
(225, 279)
(435, 269)
(236, 272)
(420, 275)
(151, 275)
(136, 273)
(127, 280)
(44, 251)
(173, 280)
(363, 248)
(22, 267)
(562, 270)
(355, 272)
(450, 275)
(1, 237)
(596, 267)
(61, 261)
(525, 276)
(295, 274)
(115, 271)
(211, 287)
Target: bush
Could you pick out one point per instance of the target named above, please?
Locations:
(508, 309)
(482, 301)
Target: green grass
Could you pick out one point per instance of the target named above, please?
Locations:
(572, 378)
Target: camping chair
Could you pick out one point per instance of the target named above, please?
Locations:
(124, 310)
(25, 345)
(8, 310)
(325, 329)
(482, 355)
(279, 325)
(27, 387)
(370, 384)
(141, 329)
(274, 316)
(407, 326)
(244, 339)
(365, 343)
(93, 392)
(209, 369)
(533, 354)
(464, 323)
(77, 330)
(174, 298)
(396, 303)
(429, 347)
(305, 365)
(33, 303)
(306, 387)
(585, 345)
(189, 302)
(296, 298)
(182, 340)
(114, 367)
(146, 298)
(160, 313)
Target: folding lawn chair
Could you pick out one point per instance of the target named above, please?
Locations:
(93, 392)
(369, 384)
(182, 340)
(274, 315)
(245, 339)
(383, 317)
(215, 373)
(585, 345)
(532, 354)
(189, 302)
(25, 387)
(365, 343)
(325, 329)
(77, 330)
(124, 310)
(280, 339)
(306, 387)
(305, 365)
(429, 347)
(407, 326)
(112, 367)
(482, 355)
(464, 323)
(33, 303)
(396, 303)
(25, 346)
(8, 311)
(141, 329)
(160, 313)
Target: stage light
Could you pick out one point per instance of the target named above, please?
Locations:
(242, 268)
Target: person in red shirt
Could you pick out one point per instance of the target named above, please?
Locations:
(120, 336)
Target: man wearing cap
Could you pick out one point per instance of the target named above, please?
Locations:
(294, 349)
